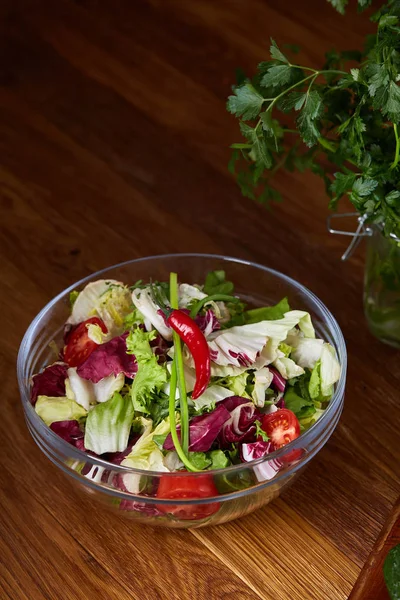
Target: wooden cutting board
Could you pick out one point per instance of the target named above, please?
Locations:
(371, 585)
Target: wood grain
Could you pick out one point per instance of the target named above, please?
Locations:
(113, 144)
(371, 584)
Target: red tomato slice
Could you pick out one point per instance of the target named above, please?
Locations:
(281, 427)
(80, 346)
(190, 486)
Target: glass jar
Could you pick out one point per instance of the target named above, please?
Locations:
(382, 286)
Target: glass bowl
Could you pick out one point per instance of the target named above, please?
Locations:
(241, 488)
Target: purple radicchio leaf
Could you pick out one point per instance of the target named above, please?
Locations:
(240, 427)
(203, 430)
(69, 431)
(207, 323)
(50, 382)
(267, 469)
(278, 382)
(109, 359)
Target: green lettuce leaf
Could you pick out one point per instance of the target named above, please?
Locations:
(268, 313)
(314, 386)
(210, 396)
(216, 284)
(145, 454)
(133, 318)
(300, 406)
(108, 425)
(287, 367)
(200, 460)
(236, 384)
(219, 460)
(52, 409)
(285, 349)
(329, 370)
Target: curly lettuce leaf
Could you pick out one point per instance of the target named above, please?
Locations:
(149, 379)
(236, 384)
(138, 343)
(150, 376)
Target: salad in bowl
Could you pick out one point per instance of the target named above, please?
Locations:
(184, 379)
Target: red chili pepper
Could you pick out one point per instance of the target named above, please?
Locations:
(194, 339)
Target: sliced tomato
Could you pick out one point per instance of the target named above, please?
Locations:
(189, 486)
(281, 427)
(80, 346)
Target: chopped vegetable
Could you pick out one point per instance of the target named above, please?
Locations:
(188, 378)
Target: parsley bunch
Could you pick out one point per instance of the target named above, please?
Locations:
(348, 116)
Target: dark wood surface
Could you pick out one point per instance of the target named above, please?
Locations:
(113, 145)
(371, 583)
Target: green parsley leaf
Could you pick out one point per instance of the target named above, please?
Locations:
(340, 5)
(271, 126)
(246, 102)
(262, 154)
(216, 283)
(294, 100)
(363, 4)
(363, 187)
(276, 53)
(343, 183)
(260, 433)
(276, 76)
(392, 197)
(388, 21)
(306, 122)
(247, 131)
(391, 106)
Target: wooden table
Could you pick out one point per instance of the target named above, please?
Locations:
(114, 144)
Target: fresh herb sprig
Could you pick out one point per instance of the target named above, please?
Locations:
(349, 117)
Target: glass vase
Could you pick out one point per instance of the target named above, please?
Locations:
(382, 286)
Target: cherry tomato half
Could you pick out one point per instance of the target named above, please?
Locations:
(190, 486)
(281, 427)
(80, 346)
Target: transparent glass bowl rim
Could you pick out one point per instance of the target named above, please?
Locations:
(70, 450)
